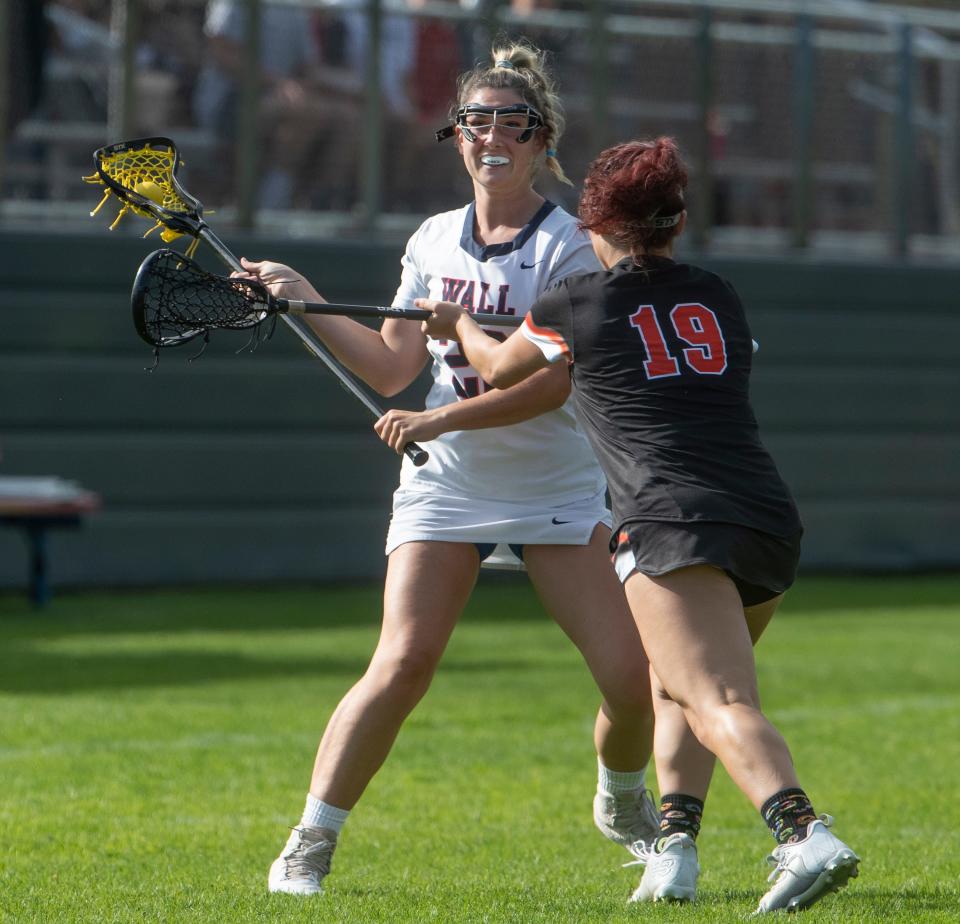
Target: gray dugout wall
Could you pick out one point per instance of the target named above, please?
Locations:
(259, 467)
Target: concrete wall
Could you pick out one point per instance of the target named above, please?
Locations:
(259, 467)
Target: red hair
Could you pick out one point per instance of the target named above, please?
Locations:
(630, 185)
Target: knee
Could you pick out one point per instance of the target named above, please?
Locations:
(629, 698)
(719, 724)
(623, 677)
(403, 676)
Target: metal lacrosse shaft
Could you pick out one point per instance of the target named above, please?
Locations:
(295, 325)
(293, 306)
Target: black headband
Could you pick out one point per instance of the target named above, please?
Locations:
(667, 221)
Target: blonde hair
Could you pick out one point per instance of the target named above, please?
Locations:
(522, 67)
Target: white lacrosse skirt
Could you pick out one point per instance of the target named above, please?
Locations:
(433, 517)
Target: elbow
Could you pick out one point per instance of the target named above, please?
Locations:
(497, 379)
(385, 385)
(501, 378)
(502, 372)
(391, 382)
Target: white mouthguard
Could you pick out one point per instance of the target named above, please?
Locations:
(494, 160)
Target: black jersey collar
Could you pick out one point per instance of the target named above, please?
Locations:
(649, 263)
(485, 252)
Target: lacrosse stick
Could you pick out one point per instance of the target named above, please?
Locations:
(142, 174)
(175, 300)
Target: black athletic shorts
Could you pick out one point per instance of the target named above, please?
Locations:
(761, 565)
(485, 549)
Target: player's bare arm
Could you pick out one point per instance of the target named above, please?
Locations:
(501, 364)
(388, 360)
(544, 391)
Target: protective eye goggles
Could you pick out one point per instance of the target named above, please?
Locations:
(520, 120)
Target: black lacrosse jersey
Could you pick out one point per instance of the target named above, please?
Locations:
(661, 361)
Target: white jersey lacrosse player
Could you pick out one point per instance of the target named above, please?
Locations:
(534, 482)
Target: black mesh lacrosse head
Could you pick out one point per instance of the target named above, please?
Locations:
(175, 300)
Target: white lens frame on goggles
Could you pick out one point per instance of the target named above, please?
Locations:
(470, 132)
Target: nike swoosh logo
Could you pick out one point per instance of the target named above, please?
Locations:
(557, 522)
(529, 265)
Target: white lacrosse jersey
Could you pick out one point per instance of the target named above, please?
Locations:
(541, 463)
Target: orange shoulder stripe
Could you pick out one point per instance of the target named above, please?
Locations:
(545, 333)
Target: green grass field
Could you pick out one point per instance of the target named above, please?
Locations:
(154, 747)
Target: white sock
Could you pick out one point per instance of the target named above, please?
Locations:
(321, 815)
(613, 782)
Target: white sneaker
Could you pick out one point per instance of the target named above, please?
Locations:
(809, 869)
(671, 873)
(628, 818)
(304, 862)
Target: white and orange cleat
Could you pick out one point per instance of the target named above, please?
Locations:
(808, 869)
(671, 871)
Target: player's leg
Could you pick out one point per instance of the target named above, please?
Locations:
(579, 588)
(684, 765)
(811, 861)
(680, 758)
(693, 627)
(692, 624)
(684, 770)
(427, 586)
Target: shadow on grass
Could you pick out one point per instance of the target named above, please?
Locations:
(26, 667)
(861, 594)
(501, 598)
(28, 671)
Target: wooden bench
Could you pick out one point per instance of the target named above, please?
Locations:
(37, 505)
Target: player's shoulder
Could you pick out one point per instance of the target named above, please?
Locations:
(441, 226)
(627, 276)
(559, 226)
(558, 217)
(701, 275)
(586, 281)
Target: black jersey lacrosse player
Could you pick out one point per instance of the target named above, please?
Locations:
(707, 536)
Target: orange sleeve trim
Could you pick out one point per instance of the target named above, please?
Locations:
(545, 333)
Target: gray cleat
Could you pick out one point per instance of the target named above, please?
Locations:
(629, 819)
(304, 862)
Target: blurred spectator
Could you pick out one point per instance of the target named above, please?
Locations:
(80, 50)
(308, 112)
(439, 56)
(397, 37)
(421, 176)
(27, 45)
(168, 62)
(568, 57)
(718, 130)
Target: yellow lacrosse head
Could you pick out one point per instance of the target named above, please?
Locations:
(142, 175)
